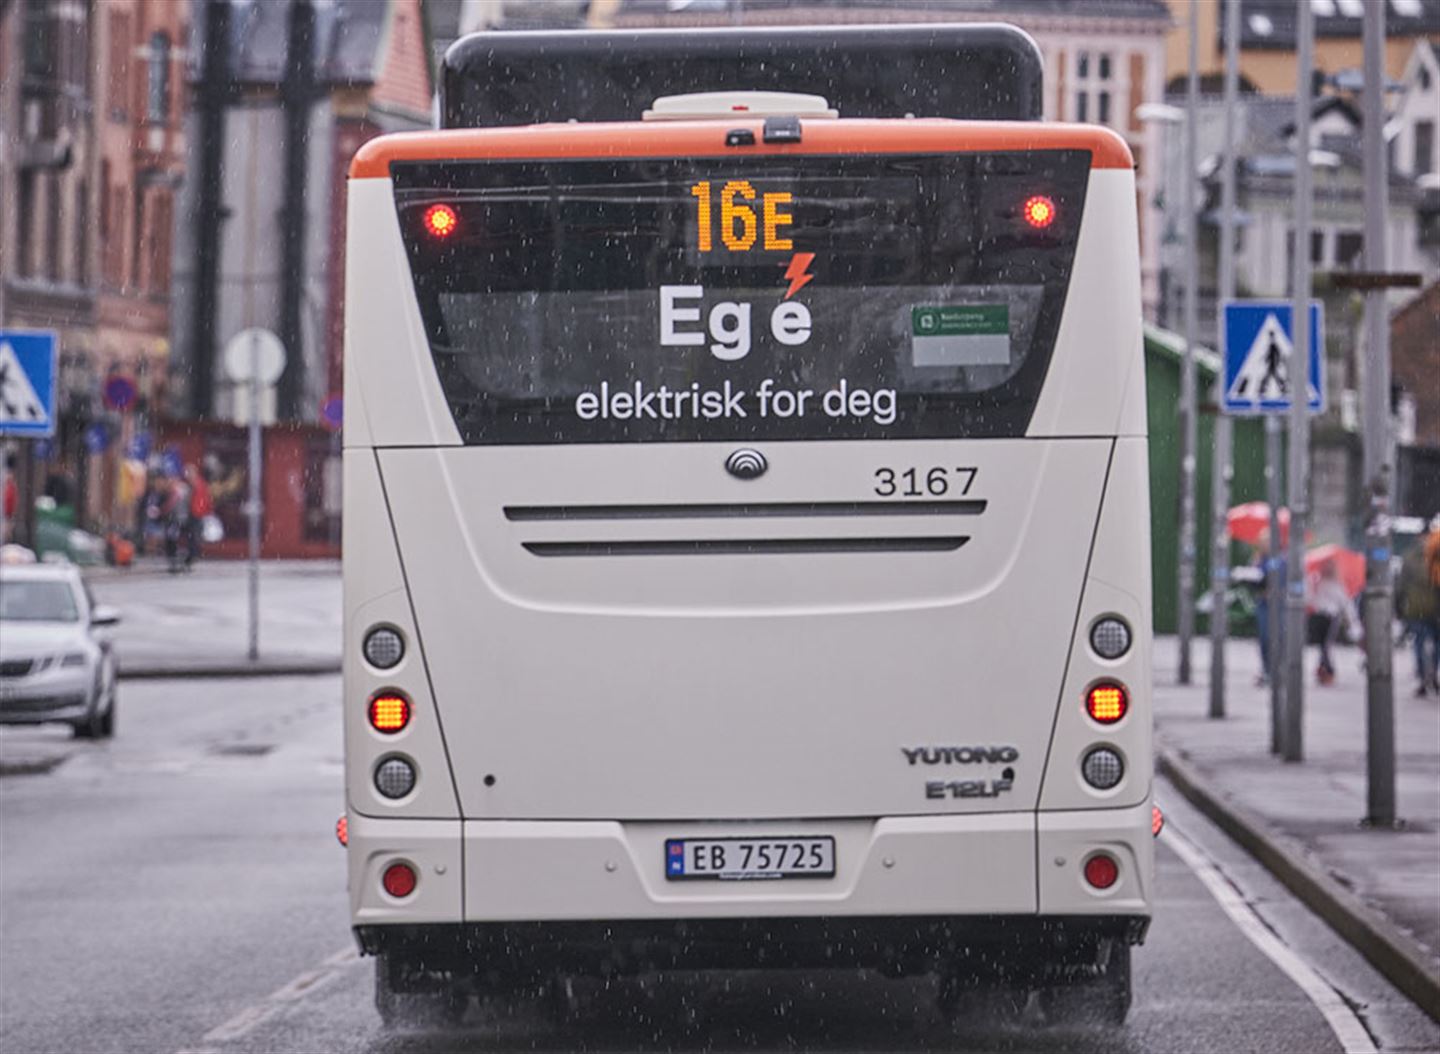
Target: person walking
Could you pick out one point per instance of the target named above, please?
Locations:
(1270, 563)
(1418, 601)
(1332, 609)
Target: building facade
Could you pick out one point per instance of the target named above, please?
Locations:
(301, 87)
(92, 153)
(1267, 38)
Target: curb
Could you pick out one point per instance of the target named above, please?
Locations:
(1387, 947)
(315, 668)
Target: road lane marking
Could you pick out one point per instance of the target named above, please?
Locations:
(1348, 1028)
(252, 1017)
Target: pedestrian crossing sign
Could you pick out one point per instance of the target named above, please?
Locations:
(1259, 339)
(27, 383)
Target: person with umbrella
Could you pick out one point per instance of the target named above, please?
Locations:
(1330, 604)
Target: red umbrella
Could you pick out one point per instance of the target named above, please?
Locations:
(1348, 562)
(1249, 521)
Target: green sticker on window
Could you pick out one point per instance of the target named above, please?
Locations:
(963, 335)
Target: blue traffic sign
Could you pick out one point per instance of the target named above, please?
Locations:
(1259, 338)
(27, 382)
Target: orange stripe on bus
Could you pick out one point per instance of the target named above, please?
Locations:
(707, 139)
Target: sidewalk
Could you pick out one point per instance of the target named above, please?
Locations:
(196, 623)
(1380, 889)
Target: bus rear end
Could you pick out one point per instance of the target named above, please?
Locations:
(746, 552)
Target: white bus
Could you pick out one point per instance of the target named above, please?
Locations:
(746, 552)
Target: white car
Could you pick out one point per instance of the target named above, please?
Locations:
(53, 664)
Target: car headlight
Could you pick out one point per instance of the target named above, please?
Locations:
(74, 658)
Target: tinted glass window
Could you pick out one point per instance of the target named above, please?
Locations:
(22, 601)
(989, 72)
(782, 298)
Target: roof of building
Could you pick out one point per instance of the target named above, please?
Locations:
(1272, 23)
(1002, 10)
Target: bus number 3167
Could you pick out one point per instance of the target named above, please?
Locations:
(918, 482)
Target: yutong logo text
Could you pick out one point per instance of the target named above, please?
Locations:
(959, 755)
(965, 756)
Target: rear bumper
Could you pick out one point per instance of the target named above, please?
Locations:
(1014, 948)
(1012, 865)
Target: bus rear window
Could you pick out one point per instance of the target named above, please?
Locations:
(742, 299)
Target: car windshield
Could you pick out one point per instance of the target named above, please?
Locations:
(22, 601)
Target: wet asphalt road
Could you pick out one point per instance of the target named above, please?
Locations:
(180, 889)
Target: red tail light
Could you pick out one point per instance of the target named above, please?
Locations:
(342, 831)
(399, 880)
(1107, 702)
(441, 221)
(1039, 211)
(1101, 871)
(389, 712)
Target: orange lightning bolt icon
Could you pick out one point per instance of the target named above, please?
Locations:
(796, 272)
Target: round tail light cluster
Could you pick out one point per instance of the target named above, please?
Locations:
(1103, 768)
(1101, 870)
(389, 712)
(384, 647)
(1110, 637)
(1107, 702)
(394, 777)
(399, 880)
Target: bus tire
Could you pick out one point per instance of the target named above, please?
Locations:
(1102, 1000)
(425, 1009)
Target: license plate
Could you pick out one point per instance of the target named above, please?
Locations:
(750, 858)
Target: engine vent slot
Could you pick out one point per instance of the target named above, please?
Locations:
(744, 510)
(749, 546)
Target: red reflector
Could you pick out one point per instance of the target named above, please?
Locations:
(1157, 820)
(399, 880)
(1039, 211)
(440, 220)
(1107, 703)
(389, 712)
(342, 831)
(1101, 871)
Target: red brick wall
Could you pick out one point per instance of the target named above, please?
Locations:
(404, 79)
(1415, 360)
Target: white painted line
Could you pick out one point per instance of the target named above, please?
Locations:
(252, 1017)
(1348, 1028)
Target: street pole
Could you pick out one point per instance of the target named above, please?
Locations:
(1221, 469)
(1299, 391)
(1274, 587)
(1185, 599)
(1379, 453)
(254, 474)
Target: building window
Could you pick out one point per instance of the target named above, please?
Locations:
(139, 242)
(157, 106)
(25, 221)
(115, 240)
(1104, 67)
(1103, 114)
(1424, 147)
(1082, 100)
(160, 238)
(1317, 247)
(1082, 66)
(39, 45)
(1424, 78)
(119, 72)
(82, 233)
(52, 229)
(1348, 247)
